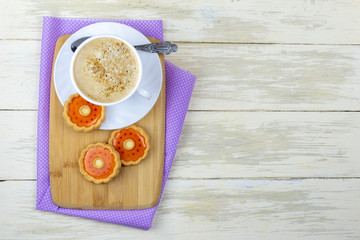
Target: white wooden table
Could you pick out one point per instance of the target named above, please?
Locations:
(271, 144)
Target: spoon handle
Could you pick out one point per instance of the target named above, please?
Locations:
(164, 47)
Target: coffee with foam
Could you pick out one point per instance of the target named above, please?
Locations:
(106, 70)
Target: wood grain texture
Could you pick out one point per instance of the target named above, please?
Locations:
(238, 144)
(282, 21)
(249, 77)
(19, 142)
(272, 77)
(311, 209)
(276, 144)
(136, 187)
(19, 65)
(320, 74)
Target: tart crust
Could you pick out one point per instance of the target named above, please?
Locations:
(96, 164)
(139, 130)
(85, 110)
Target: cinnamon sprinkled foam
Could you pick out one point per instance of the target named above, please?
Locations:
(106, 70)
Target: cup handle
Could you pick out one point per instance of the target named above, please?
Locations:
(143, 93)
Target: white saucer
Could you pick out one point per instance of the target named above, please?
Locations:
(136, 107)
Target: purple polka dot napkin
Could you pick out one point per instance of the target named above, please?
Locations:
(179, 86)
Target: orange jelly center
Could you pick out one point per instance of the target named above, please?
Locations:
(93, 156)
(135, 153)
(75, 107)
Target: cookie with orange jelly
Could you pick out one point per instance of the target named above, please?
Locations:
(132, 143)
(83, 115)
(99, 163)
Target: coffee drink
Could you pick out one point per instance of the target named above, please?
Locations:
(106, 70)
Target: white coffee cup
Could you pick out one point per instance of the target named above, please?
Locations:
(140, 91)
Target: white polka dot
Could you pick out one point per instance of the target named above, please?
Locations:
(179, 86)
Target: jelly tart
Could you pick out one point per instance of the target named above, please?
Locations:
(132, 143)
(83, 115)
(99, 163)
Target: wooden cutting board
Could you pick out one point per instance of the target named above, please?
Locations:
(136, 187)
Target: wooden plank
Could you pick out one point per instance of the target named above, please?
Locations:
(20, 64)
(272, 77)
(238, 144)
(248, 77)
(279, 21)
(269, 144)
(206, 209)
(18, 144)
(136, 187)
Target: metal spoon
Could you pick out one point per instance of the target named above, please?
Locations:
(164, 47)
